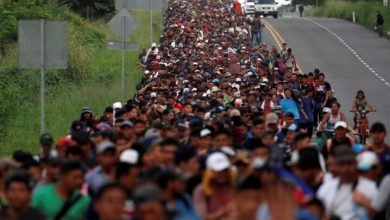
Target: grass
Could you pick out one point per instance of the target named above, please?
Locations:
(365, 11)
(99, 85)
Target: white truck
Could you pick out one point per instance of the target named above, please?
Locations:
(266, 8)
(248, 7)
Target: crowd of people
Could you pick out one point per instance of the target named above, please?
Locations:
(221, 128)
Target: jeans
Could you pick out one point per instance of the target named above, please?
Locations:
(317, 116)
(256, 38)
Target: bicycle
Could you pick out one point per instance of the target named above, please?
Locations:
(363, 127)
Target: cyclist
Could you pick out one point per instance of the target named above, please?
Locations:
(330, 119)
(360, 100)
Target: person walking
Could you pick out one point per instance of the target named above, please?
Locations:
(379, 23)
(301, 9)
(257, 25)
(237, 8)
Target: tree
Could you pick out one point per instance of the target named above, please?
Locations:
(90, 8)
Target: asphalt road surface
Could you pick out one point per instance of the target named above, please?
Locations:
(351, 56)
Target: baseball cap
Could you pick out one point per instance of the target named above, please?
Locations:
(86, 109)
(367, 160)
(117, 105)
(271, 118)
(214, 89)
(104, 146)
(64, 142)
(46, 138)
(344, 153)
(205, 132)
(378, 127)
(103, 126)
(238, 79)
(130, 156)
(217, 162)
(215, 81)
(127, 123)
(292, 128)
(341, 124)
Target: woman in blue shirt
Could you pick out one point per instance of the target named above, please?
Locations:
(290, 104)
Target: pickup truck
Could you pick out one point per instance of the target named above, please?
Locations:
(266, 8)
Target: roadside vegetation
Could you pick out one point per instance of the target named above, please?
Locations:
(365, 11)
(92, 77)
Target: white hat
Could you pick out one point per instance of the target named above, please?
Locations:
(147, 72)
(117, 105)
(238, 79)
(153, 95)
(217, 162)
(152, 132)
(205, 132)
(214, 89)
(342, 124)
(129, 156)
(154, 44)
(366, 160)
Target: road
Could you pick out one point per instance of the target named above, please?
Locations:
(351, 56)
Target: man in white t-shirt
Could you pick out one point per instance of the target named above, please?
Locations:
(336, 194)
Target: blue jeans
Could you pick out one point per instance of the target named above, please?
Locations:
(256, 38)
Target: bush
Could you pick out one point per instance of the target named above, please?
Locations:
(365, 11)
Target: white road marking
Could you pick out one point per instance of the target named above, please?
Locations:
(351, 50)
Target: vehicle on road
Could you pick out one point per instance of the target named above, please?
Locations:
(248, 7)
(266, 8)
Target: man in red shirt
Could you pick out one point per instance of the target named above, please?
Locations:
(237, 7)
